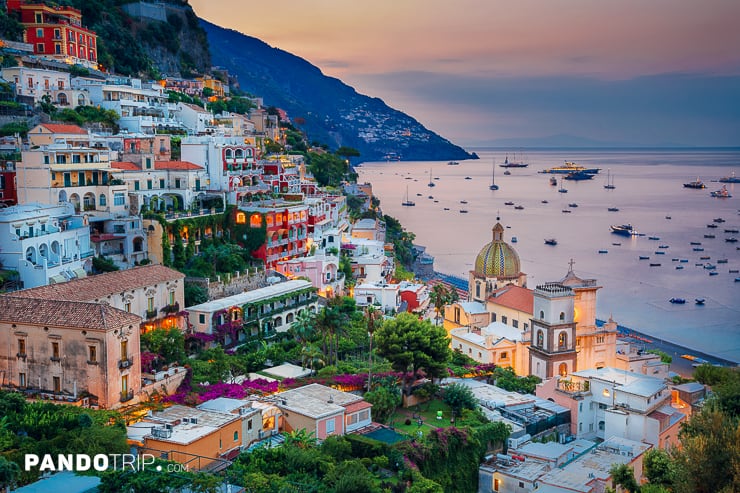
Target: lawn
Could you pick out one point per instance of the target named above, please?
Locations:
(428, 414)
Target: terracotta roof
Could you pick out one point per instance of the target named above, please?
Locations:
(97, 238)
(184, 165)
(61, 128)
(514, 297)
(125, 165)
(99, 286)
(64, 313)
(357, 406)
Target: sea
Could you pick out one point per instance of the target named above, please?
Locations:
(649, 193)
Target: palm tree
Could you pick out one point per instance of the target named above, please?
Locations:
(372, 315)
(304, 327)
(311, 354)
(441, 296)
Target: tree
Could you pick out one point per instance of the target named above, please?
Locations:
(9, 473)
(411, 345)
(372, 315)
(624, 476)
(304, 327)
(352, 477)
(659, 467)
(441, 297)
(459, 397)
(385, 400)
(195, 294)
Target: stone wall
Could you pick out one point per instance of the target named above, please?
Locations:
(226, 285)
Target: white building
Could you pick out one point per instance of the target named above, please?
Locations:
(39, 82)
(388, 296)
(496, 343)
(231, 164)
(44, 243)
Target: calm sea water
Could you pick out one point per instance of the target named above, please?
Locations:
(648, 187)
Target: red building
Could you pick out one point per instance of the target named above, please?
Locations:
(57, 32)
(8, 190)
(287, 227)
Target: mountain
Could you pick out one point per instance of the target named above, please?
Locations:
(333, 112)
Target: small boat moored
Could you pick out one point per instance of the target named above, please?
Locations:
(722, 193)
(698, 184)
(603, 251)
(551, 241)
(699, 301)
(677, 301)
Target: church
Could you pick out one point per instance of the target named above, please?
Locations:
(546, 331)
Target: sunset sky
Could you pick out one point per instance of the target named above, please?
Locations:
(629, 71)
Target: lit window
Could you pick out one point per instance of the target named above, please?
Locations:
(241, 218)
(92, 354)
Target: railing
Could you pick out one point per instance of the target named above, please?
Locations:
(173, 308)
(127, 395)
(151, 313)
(125, 363)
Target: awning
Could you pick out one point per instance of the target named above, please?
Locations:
(80, 273)
(57, 279)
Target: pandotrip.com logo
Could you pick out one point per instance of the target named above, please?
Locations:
(98, 462)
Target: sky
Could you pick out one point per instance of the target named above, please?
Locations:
(655, 72)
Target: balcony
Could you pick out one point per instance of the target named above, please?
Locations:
(151, 313)
(171, 309)
(125, 363)
(127, 395)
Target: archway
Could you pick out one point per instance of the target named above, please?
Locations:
(89, 201)
(62, 195)
(62, 99)
(75, 199)
(31, 255)
(138, 244)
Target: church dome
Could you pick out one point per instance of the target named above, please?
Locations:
(498, 259)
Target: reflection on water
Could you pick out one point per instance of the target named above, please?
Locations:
(648, 188)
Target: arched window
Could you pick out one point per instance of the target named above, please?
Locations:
(562, 340)
(562, 316)
(238, 153)
(540, 338)
(227, 153)
(563, 369)
(542, 315)
(103, 201)
(62, 99)
(241, 218)
(255, 220)
(477, 290)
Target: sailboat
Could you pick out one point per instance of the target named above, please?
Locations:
(431, 183)
(562, 189)
(407, 202)
(609, 182)
(493, 177)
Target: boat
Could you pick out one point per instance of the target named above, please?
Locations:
(519, 207)
(731, 240)
(679, 267)
(711, 225)
(572, 204)
(722, 261)
(729, 179)
(463, 211)
(613, 209)
(436, 201)
(684, 261)
(509, 203)
(468, 178)
(430, 197)
(713, 273)
(705, 257)
(513, 239)
(733, 230)
(392, 156)
(609, 181)
(718, 220)
(617, 244)
(579, 176)
(545, 202)
(447, 208)
(709, 266)
(663, 246)
(654, 265)
(553, 181)
(551, 241)
(407, 202)
(603, 251)
(737, 279)
(733, 271)
(507, 172)
(698, 249)
(695, 243)
(493, 185)
(562, 189)
(408, 178)
(431, 180)
(699, 301)
(653, 237)
(453, 163)
(674, 260)
(623, 229)
(644, 257)
(668, 217)
(698, 184)
(566, 211)
(570, 167)
(513, 164)
(677, 301)
(709, 236)
(659, 252)
(722, 193)
(463, 201)
(689, 357)
(418, 195)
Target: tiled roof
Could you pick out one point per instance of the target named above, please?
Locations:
(183, 165)
(63, 313)
(125, 166)
(61, 128)
(97, 238)
(514, 297)
(102, 285)
(357, 406)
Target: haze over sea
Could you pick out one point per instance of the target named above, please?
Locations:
(648, 187)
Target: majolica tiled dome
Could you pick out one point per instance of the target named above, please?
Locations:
(498, 259)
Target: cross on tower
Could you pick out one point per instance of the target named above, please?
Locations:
(570, 265)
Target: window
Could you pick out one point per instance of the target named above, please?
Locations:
(562, 316)
(590, 427)
(92, 354)
(55, 350)
(504, 319)
(515, 324)
(149, 184)
(526, 326)
(562, 340)
(521, 484)
(136, 185)
(236, 435)
(39, 19)
(57, 34)
(161, 183)
(60, 84)
(149, 164)
(57, 384)
(39, 47)
(563, 369)
(21, 379)
(124, 384)
(202, 318)
(477, 290)
(177, 183)
(542, 315)
(600, 339)
(103, 201)
(150, 303)
(503, 355)
(40, 33)
(119, 198)
(493, 317)
(580, 427)
(249, 425)
(127, 307)
(496, 484)
(330, 426)
(171, 297)
(22, 347)
(540, 338)
(124, 349)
